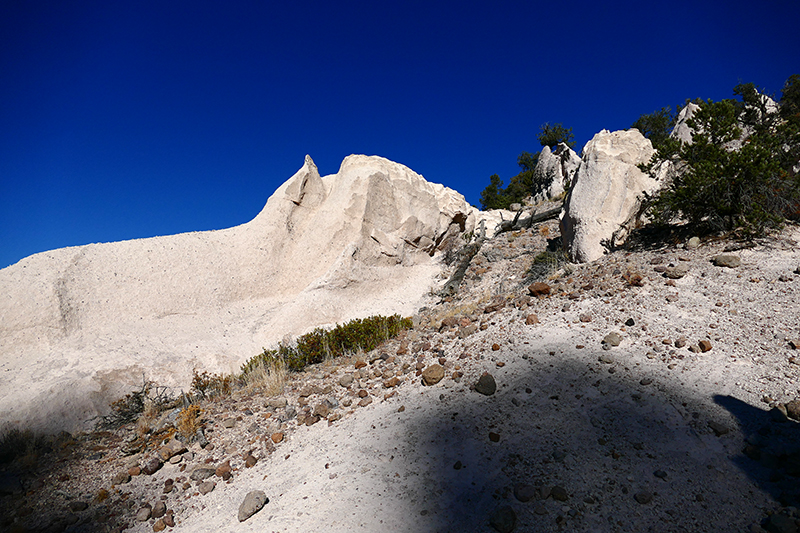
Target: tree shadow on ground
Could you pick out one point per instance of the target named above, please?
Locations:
(590, 447)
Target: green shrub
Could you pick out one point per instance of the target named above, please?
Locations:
(360, 334)
(738, 171)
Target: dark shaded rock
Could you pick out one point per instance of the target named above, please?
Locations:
(159, 510)
(539, 289)
(524, 492)
(559, 493)
(503, 519)
(643, 497)
(486, 385)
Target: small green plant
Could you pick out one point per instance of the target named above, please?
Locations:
(545, 264)
(359, 334)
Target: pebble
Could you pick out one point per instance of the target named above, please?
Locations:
(202, 472)
(253, 503)
(559, 493)
(704, 345)
(159, 510)
(531, 319)
(643, 497)
(585, 317)
(346, 380)
(143, 514)
(224, 471)
(524, 492)
(612, 339)
(229, 423)
(206, 486)
(121, 478)
(159, 525)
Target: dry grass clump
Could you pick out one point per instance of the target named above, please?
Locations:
(208, 385)
(268, 377)
(188, 422)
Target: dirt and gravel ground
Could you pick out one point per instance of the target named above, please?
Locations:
(675, 423)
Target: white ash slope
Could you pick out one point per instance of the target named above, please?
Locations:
(607, 426)
(81, 326)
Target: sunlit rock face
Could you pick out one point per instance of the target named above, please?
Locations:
(82, 326)
(606, 192)
(554, 171)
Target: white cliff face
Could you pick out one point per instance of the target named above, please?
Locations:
(606, 191)
(682, 131)
(555, 171)
(82, 326)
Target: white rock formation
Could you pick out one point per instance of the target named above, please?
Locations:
(606, 192)
(82, 326)
(681, 130)
(555, 171)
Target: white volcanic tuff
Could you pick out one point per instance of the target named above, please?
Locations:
(555, 170)
(606, 192)
(81, 326)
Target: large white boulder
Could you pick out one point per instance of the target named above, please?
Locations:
(81, 326)
(606, 192)
(554, 172)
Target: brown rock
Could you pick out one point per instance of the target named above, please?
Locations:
(121, 478)
(159, 525)
(362, 393)
(134, 471)
(169, 518)
(277, 437)
(322, 410)
(793, 409)
(494, 437)
(206, 486)
(365, 402)
(152, 466)
(159, 510)
(539, 289)
(495, 347)
(224, 471)
(392, 382)
(531, 319)
(432, 375)
(585, 317)
(360, 364)
(705, 345)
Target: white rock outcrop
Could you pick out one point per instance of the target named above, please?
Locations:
(606, 192)
(681, 130)
(554, 171)
(82, 326)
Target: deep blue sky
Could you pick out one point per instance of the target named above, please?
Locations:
(122, 120)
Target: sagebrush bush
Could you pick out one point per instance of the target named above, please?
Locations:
(188, 422)
(208, 385)
(359, 334)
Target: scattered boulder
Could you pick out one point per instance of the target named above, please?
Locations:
(704, 345)
(793, 409)
(432, 375)
(539, 289)
(676, 272)
(152, 466)
(253, 503)
(486, 384)
(206, 486)
(606, 193)
(726, 260)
